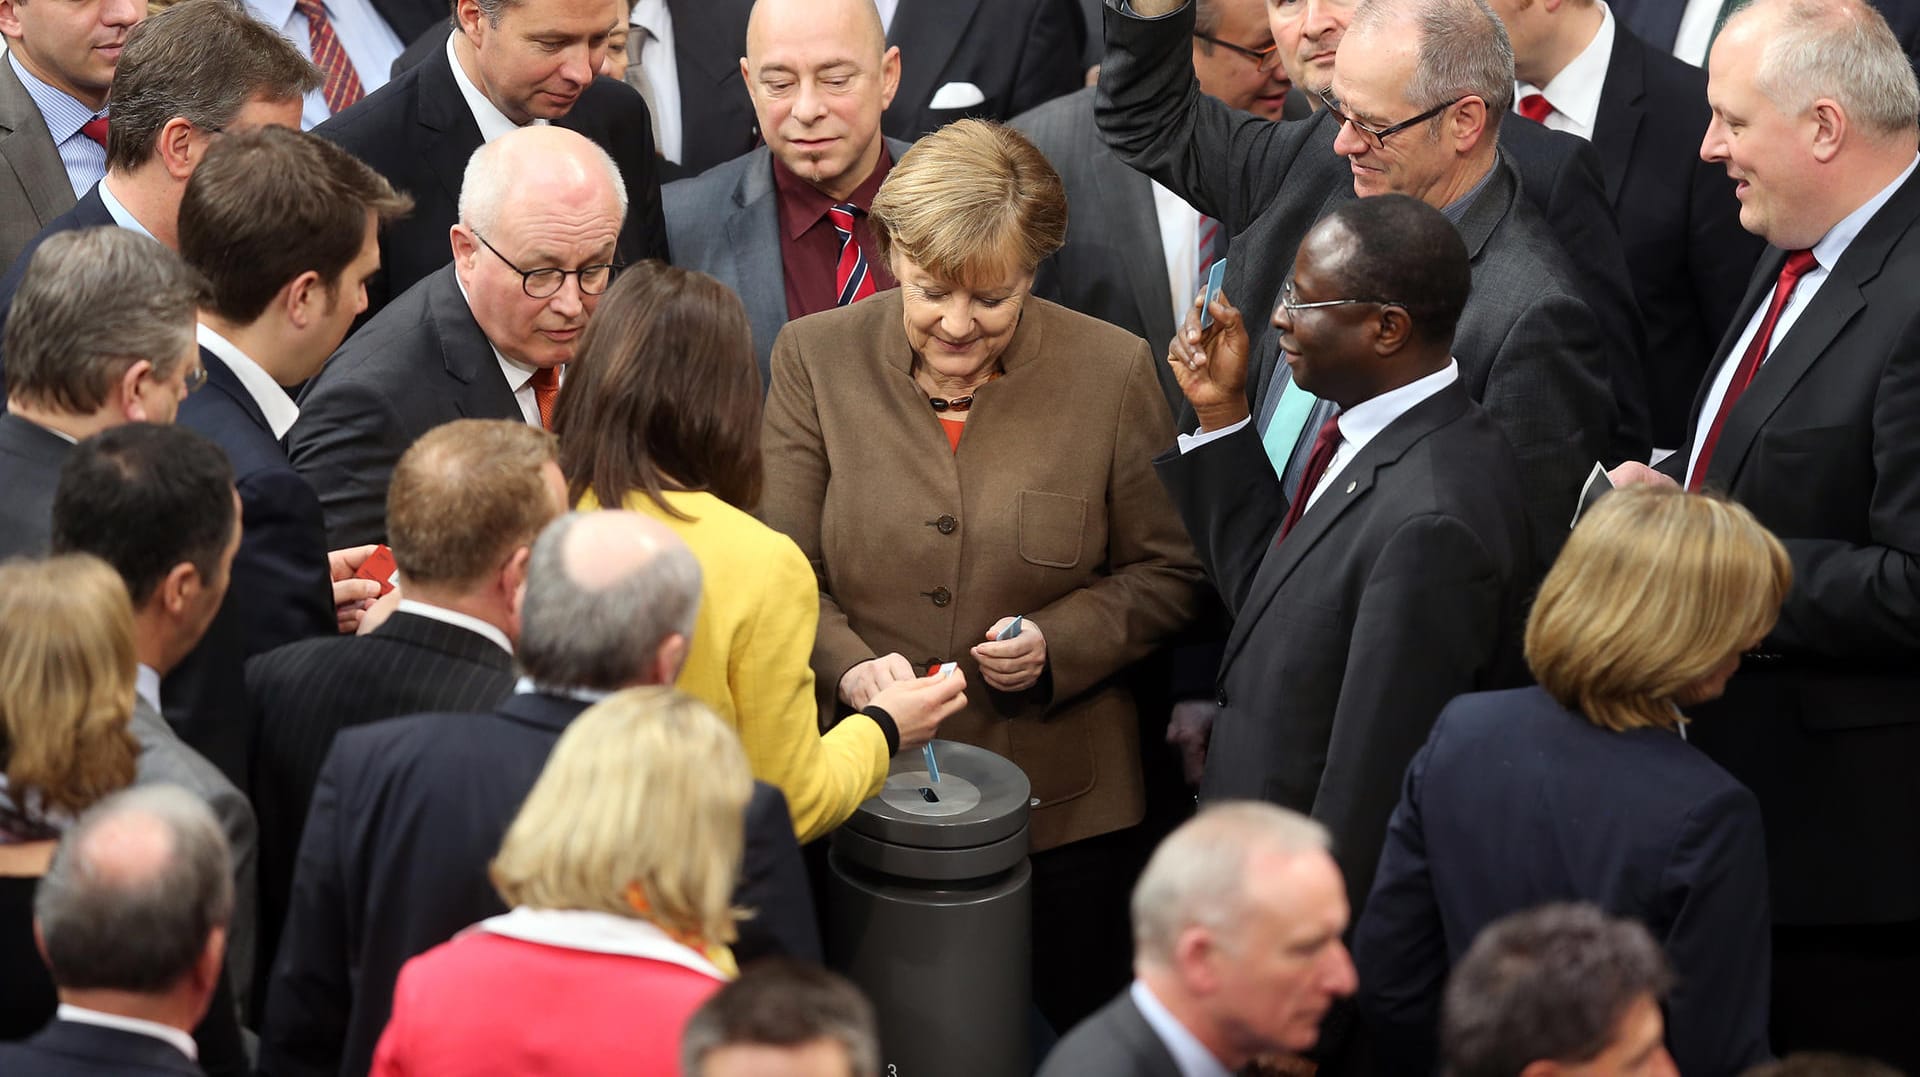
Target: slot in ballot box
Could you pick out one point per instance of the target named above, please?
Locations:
(930, 912)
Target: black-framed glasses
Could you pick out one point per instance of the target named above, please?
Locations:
(1378, 135)
(1266, 59)
(546, 283)
(1293, 306)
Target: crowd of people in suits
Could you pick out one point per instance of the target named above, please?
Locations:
(1419, 487)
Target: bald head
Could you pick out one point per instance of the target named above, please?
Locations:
(855, 24)
(820, 74)
(540, 165)
(608, 595)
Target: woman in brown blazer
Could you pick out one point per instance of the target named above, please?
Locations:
(956, 453)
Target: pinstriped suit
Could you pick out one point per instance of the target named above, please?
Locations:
(303, 693)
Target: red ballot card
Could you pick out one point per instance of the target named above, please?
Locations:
(379, 567)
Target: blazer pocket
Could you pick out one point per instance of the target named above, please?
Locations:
(1051, 527)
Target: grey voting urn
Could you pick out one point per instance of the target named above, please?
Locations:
(930, 912)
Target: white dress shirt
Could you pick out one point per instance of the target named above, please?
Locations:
(486, 115)
(275, 404)
(146, 685)
(1575, 92)
(84, 159)
(659, 65)
(1190, 1056)
(120, 214)
(519, 375)
(370, 44)
(887, 8)
(1826, 254)
(1179, 244)
(1695, 35)
(168, 1034)
(1363, 422)
(457, 619)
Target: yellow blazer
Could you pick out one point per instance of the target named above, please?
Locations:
(748, 660)
(1050, 509)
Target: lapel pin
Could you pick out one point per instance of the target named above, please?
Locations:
(1351, 485)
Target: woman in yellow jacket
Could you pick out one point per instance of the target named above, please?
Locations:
(660, 414)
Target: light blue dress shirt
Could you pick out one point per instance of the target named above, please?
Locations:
(85, 159)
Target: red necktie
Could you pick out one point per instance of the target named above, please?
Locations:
(342, 85)
(1324, 444)
(1798, 263)
(96, 129)
(546, 388)
(851, 281)
(1535, 107)
(1207, 249)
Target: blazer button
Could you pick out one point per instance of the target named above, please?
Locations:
(941, 596)
(946, 524)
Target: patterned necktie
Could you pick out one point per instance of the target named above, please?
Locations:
(851, 280)
(636, 76)
(546, 388)
(1206, 249)
(1324, 445)
(1535, 107)
(96, 129)
(1797, 266)
(341, 87)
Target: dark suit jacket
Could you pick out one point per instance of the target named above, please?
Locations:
(1115, 1042)
(1688, 257)
(1516, 802)
(34, 186)
(30, 459)
(1658, 21)
(1018, 53)
(1529, 346)
(418, 132)
(304, 693)
(422, 362)
(72, 1049)
(405, 819)
(1824, 447)
(1399, 589)
(88, 212)
(281, 589)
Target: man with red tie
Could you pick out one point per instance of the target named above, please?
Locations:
(785, 226)
(348, 40)
(1810, 416)
(1392, 582)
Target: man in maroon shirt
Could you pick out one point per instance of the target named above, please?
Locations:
(785, 225)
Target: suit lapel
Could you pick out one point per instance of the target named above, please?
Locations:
(1348, 489)
(927, 34)
(1618, 122)
(1495, 202)
(466, 353)
(28, 147)
(1657, 21)
(1133, 224)
(449, 134)
(706, 47)
(753, 238)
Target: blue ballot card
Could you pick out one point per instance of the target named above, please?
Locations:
(1214, 276)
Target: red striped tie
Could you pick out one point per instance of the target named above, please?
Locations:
(1798, 264)
(851, 280)
(342, 85)
(1207, 249)
(96, 129)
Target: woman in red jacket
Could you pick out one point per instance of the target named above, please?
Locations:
(619, 871)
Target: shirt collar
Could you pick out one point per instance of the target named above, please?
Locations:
(274, 402)
(120, 214)
(1575, 91)
(1362, 422)
(146, 685)
(64, 113)
(1456, 210)
(486, 115)
(1190, 1056)
(458, 620)
(1841, 236)
(527, 686)
(802, 204)
(650, 15)
(178, 1039)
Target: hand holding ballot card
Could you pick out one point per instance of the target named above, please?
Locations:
(1014, 655)
(1209, 355)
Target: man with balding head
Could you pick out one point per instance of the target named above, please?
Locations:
(408, 813)
(1237, 925)
(772, 223)
(485, 337)
(1807, 416)
(132, 920)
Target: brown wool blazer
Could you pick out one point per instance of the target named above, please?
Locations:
(1049, 509)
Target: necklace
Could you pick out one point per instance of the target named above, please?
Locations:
(957, 403)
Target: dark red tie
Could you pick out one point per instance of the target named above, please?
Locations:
(96, 129)
(1535, 107)
(1798, 263)
(1324, 444)
(342, 85)
(851, 281)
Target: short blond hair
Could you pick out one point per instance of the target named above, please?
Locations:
(1654, 590)
(647, 788)
(969, 202)
(66, 680)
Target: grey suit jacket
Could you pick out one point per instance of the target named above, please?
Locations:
(1109, 268)
(1115, 1042)
(725, 222)
(34, 187)
(166, 759)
